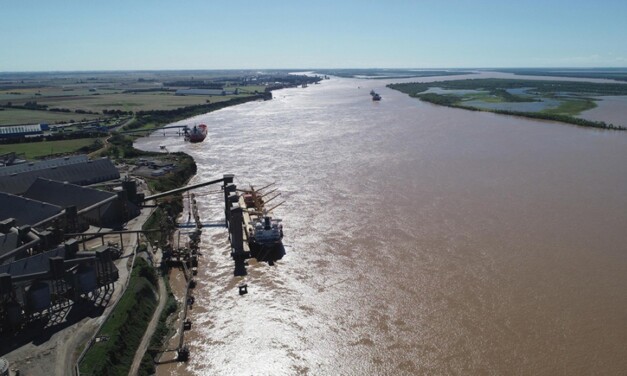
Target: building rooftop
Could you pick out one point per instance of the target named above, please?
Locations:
(19, 129)
(26, 211)
(34, 264)
(8, 242)
(42, 165)
(81, 173)
(65, 194)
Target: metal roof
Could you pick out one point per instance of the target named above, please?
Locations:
(65, 194)
(41, 165)
(19, 129)
(8, 242)
(34, 264)
(85, 173)
(25, 211)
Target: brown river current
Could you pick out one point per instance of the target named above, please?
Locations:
(420, 240)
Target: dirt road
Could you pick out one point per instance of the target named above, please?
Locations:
(143, 346)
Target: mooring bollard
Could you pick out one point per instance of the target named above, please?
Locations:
(243, 289)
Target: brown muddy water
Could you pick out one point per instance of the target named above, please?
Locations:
(420, 240)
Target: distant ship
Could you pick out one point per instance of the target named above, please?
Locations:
(375, 96)
(196, 134)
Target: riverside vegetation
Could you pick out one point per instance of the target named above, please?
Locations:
(125, 326)
(477, 95)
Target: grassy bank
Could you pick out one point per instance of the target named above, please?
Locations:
(161, 334)
(125, 326)
(164, 219)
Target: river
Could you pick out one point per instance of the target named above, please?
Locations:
(420, 240)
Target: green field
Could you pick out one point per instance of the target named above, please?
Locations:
(98, 103)
(571, 107)
(127, 101)
(9, 116)
(34, 150)
(36, 94)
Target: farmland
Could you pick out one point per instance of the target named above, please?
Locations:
(35, 150)
(10, 116)
(30, 98)
(90, 104)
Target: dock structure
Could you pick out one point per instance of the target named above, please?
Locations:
(190, 263)
(243, 213)
(186, 256)
(239, 220)
(186, 323)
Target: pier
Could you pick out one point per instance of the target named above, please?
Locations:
(186, 257)
(242, 213)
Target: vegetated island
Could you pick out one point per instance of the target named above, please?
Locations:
(380, 74)
(618, 74)
(548, 100)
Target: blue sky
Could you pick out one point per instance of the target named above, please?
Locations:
(118, 35)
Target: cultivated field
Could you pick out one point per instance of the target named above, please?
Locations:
(10, 116)
(129, 101)
(111, 91)
(34, 150)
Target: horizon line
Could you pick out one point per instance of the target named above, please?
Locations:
(299, 69)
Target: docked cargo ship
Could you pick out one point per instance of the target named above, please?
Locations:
(264, 232)
(196, 134)
(265, 239)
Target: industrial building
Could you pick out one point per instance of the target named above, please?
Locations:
(42, 165)
(45, 282)
(18, 131)
(98, 208)
(42, 271)
(82, 172)
(24, 210)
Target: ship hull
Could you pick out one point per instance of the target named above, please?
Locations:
(268, 252)
(197, 134)
(197, 138)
